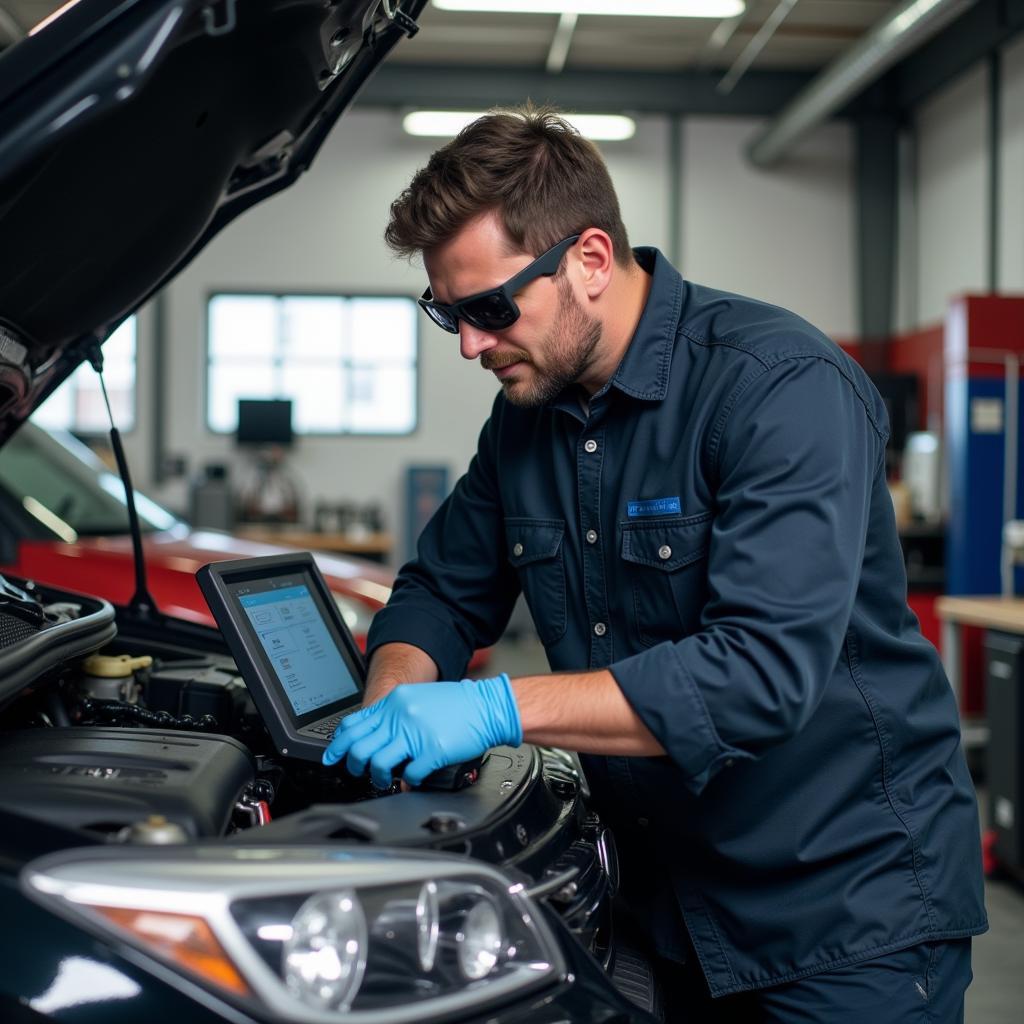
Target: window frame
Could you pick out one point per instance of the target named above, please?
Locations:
(311, 293)
(87, 436)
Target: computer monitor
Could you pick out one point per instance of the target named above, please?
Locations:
(264, 421)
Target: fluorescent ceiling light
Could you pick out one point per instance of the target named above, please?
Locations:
(446, 123)
(622, 8)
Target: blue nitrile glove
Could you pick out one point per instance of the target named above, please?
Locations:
(431, 725)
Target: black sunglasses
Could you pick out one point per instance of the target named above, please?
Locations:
(494, 309)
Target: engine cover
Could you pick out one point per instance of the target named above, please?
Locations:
(105, 779)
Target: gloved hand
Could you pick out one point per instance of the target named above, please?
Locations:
(432, 725)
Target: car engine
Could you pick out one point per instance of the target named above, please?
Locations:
(128, 733)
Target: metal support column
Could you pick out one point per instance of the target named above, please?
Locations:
(675, 192)
(995, 134)
(877, 193)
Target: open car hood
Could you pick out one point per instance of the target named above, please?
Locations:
(132, 132)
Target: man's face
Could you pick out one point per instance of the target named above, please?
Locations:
(552, 343)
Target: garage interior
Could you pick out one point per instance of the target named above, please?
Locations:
(857, 161)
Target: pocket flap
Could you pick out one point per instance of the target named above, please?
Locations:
(667, 545)
(532, 540)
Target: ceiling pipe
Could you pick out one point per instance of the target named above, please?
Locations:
(559, 51)
(759, 41)
(725, 30)
(906, 28)
(720, 38)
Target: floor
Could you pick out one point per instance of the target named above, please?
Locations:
(997, 993)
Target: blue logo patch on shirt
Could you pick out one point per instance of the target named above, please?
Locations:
(653, 507)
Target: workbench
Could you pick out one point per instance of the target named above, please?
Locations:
(1003, 620)
(1005, 614)
(375, 546)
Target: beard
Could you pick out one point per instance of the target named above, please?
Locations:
(565, 354)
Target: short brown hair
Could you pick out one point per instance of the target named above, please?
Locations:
(530, 165)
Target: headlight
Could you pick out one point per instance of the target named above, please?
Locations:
(428, 928)
(325, 955)
(314, 936)
(480, 939)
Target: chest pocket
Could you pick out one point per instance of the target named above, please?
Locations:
(665, 563)
(535, 550)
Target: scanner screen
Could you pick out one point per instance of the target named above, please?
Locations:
(298, 644)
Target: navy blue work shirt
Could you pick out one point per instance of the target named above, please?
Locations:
(717, 531)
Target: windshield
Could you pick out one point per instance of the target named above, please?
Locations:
(63, 485)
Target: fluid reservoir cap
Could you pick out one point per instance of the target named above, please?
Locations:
(156, 830)
(119, 666)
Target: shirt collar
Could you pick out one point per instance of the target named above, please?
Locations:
(644, 370)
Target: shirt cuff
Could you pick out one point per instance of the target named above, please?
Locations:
(662, 691)
(430, 633)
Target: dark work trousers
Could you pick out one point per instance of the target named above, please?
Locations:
(923, 984)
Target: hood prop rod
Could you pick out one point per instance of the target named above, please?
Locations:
(141, 604)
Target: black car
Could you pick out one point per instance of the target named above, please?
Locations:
(160, 860)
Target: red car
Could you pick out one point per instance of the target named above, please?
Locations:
(63, 521)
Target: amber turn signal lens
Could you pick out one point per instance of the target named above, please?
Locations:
(184, 939)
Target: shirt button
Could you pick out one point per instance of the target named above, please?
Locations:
(729, 762)
(590, 446)
(664, 552)
(591, 536)
(517, 550)
(600, 629)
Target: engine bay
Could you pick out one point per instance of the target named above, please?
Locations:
(130, 727)
(108, 780)
(125, 734)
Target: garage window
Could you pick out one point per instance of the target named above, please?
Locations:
(77, 405)
(347, 362)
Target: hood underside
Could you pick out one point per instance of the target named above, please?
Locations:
(132, 132)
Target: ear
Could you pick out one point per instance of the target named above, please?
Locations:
(596, 256)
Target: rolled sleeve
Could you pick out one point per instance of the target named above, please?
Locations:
(797, 452)
(662, 691)
(420, 627)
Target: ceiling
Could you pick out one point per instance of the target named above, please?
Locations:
(811, 34)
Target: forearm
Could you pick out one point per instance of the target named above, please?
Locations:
(433, 724)
(586, 712)
(393, 664)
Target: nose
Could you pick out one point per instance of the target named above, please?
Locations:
(473, 342)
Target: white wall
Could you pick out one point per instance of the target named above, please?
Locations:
(785, 236)
(640, 171)
(952, 182)
(944, 212)
(1011, 192)
(325, 233)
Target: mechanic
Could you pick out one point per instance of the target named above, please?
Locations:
(689, 487)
